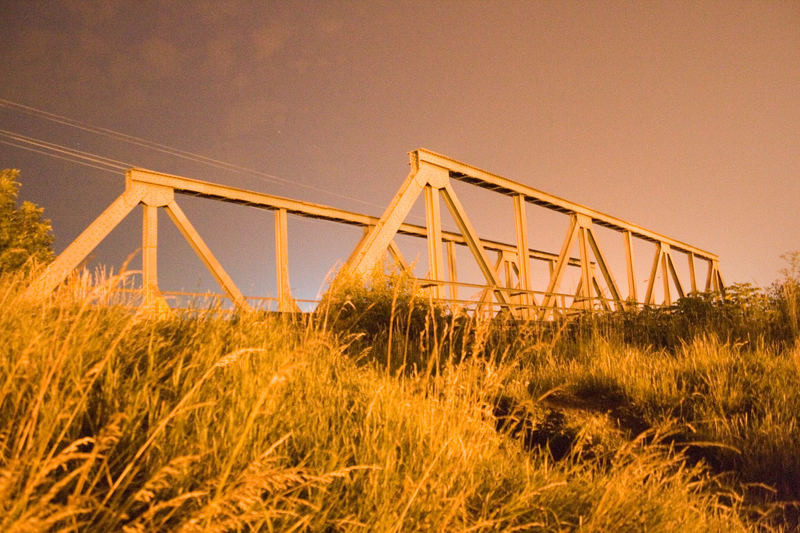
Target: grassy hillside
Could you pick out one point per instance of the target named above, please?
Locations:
(382, 413)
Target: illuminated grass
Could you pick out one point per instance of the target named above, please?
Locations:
(110, 422)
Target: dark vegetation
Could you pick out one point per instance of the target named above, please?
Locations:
(25, 236)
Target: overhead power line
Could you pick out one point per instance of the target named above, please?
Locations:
(176, 152)
(57, 156)
(58, 148)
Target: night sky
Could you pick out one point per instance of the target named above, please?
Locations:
(683, 117)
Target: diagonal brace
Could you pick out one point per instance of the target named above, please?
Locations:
(87, 241)
(373, 245)
(473, 241)
(561, 265)
(202, 250)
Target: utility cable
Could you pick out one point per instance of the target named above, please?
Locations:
(176, 152)
(57, 156)
(120, 165)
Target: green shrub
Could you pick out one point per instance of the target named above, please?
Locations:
(25, 237)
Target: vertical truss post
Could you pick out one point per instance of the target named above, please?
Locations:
(523, 260)
(433, 219)
(628, 239)
(586, 274)
(692, 275)
(149, 255)
(153, 303)
(451, 271)
(284, 288)
(508, 266)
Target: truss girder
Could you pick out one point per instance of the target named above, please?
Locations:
(509, 281)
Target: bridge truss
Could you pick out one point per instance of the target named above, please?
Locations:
(507, 281)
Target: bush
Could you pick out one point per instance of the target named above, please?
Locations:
(785, 295)
(744, 314)
(25, 237)
(387, 317)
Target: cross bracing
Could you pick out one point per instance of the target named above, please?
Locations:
(507, 281)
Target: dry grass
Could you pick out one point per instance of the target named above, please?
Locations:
(113, 422)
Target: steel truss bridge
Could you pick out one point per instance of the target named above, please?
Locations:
(507, 280)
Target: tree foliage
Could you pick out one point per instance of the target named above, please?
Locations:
(25, 235)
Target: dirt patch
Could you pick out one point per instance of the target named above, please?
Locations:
(550, 432)
(630, 420)
(615, 405)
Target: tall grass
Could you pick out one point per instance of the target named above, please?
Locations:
(111, 421)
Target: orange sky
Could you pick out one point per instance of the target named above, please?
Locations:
(683, 117)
